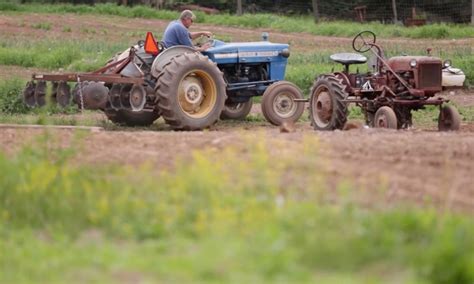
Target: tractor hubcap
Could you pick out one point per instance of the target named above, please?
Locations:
(284, 105)
(324, 107)
(382, 122)
(193, 93)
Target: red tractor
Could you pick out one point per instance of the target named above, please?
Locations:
(387, 95)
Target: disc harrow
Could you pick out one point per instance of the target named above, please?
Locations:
(92, 90)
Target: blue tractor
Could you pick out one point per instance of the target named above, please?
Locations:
(255, 69)
(190, 90)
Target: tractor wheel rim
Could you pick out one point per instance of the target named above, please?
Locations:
(323, 108)
(137, 98)
(197, 94)
(382, 121)
(284, 105)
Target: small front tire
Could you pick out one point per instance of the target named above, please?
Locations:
(385, 117)
(327, 110)
(279, 105)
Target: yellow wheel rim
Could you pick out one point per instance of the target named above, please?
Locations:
(197, 94)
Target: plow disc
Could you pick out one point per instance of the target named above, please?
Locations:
(40, 93)
(35, 94)
(63, 94)
(90, 95)
(29, 94)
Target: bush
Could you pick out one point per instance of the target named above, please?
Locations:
(9, 6)
(11, 101)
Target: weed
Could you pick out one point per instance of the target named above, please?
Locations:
(9, 6)
(355, 112)
(42, 26)
(67, 29)
(11, 97)
(55, 55)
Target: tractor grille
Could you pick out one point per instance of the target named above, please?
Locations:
(430, 75)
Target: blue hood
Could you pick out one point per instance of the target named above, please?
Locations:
(273, 55)
(222, 52)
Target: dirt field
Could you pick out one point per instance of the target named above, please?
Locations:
(420, 165)
(416, 165)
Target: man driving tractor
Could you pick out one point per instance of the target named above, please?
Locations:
(177, 32)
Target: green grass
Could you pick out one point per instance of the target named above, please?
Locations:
(12, 106)
(58, 54)
(277, 22)
(42, 26)
(10, 97)
(429, 115)
(55, 116)
(88, 55)
(302, 67)
(238, 219)
(67, 29)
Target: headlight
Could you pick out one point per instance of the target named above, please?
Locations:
(285, 53)
(447, 63)
(413, 63)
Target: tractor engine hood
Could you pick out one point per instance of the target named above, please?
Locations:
(402, 63)
(247, 52)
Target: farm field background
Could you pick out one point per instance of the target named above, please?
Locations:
(238, 203)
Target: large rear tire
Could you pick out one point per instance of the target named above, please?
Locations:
(191, 92)
(327, 111)
(234, 110)
(278, 103)
(131, 118)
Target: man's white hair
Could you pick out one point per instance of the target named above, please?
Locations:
(187, 14)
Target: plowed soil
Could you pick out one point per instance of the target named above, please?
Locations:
(418, 165)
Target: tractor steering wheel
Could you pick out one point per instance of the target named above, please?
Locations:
(205, 40)
(363, 41)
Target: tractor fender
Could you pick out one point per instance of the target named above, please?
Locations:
(345, 80)
(165, 57)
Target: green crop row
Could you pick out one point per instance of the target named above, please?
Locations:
(69, 55)
(90, 55)
(278, 22)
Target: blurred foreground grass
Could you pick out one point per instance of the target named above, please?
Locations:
(220, 217)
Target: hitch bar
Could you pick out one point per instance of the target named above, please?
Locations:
(301, 100)
(435, 102)
(98, 75)
(74, 77)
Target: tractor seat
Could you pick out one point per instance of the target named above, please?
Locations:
(348, 58)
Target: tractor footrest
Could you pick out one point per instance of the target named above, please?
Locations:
(75, 77)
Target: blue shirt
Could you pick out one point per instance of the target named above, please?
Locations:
(176, 34)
